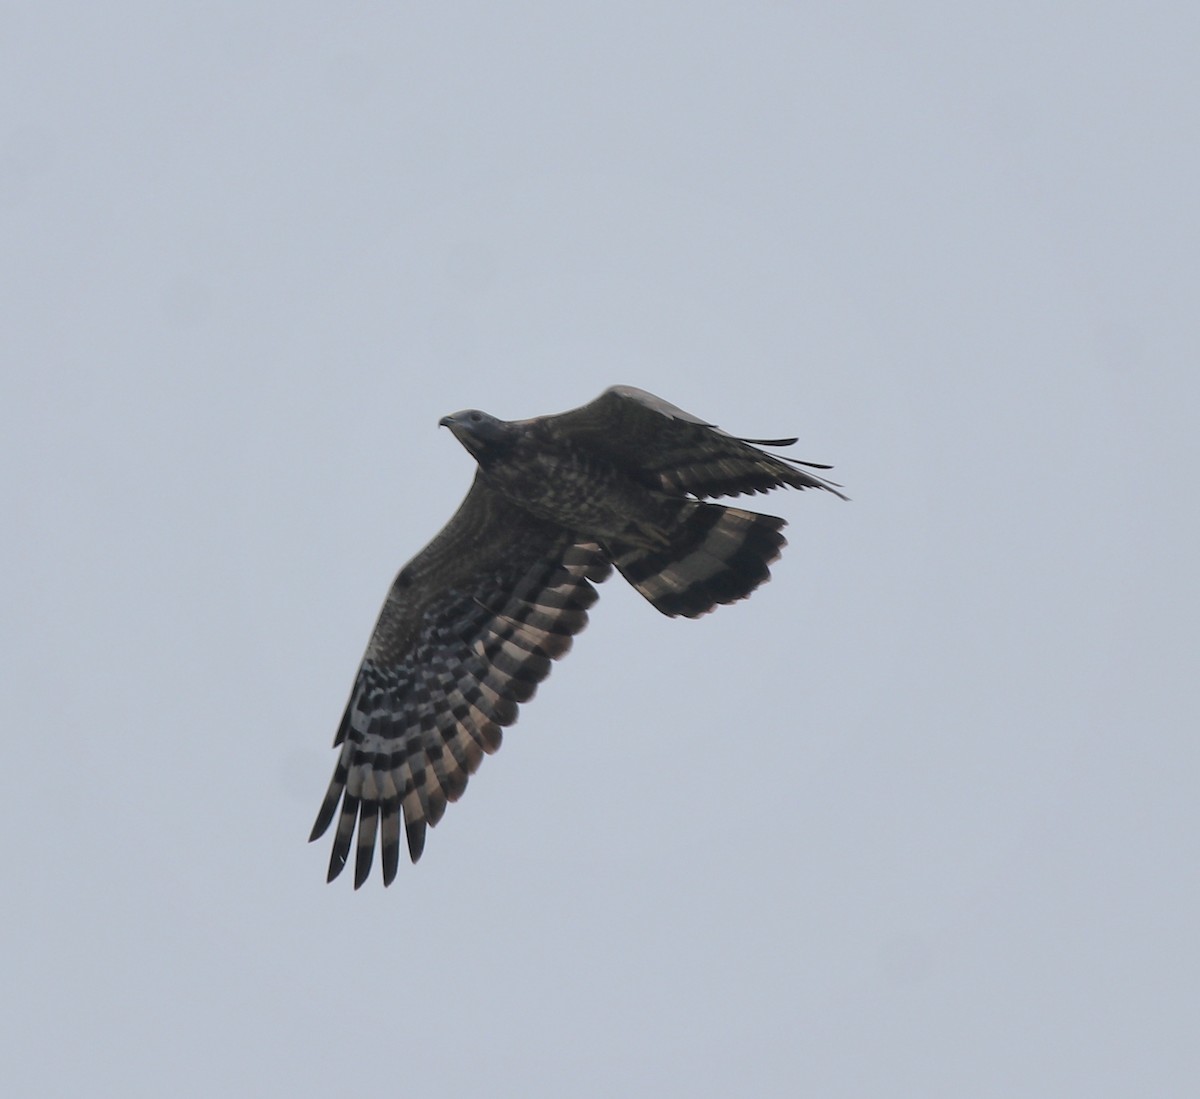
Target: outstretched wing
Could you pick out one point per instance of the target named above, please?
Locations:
(467, 632)
(676, 452)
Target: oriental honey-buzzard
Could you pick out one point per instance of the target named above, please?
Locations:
(472, 623)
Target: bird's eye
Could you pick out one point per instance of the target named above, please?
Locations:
(476, 417)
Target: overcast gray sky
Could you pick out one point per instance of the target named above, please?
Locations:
(918, 819)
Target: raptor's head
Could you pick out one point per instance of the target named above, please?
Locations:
(483, 435)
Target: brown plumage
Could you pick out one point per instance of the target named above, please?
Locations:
(472, 623)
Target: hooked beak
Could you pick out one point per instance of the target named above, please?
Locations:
(457, 427)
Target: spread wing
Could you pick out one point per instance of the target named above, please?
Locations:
(676, 452)
(467, 632)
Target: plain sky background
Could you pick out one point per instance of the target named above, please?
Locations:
(919, 819)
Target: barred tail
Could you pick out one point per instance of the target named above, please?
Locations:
(716, 554)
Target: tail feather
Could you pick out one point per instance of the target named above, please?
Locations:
(716, 554)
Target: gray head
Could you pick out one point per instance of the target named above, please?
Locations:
(484, 436)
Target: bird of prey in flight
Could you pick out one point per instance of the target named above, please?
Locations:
(472, 623)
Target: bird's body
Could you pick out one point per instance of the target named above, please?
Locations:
(472, 623)
(569, 487)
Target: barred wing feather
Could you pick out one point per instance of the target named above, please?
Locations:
(463, 639)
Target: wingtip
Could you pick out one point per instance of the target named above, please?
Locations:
(416, 839)
(773, 442)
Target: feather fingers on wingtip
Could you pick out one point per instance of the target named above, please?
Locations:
(368, 825)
